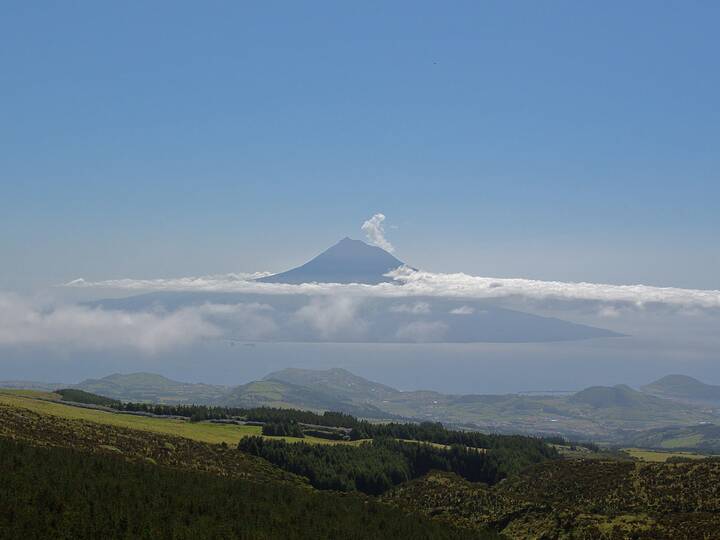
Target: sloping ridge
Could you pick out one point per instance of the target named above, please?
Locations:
(334, 381)
(150, 387)
(348, 261)
(683, 387)
(325, 390)
(621, 395)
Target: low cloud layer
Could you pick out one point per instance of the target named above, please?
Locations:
(200, 283)
(375, 232)
(23, 323)
(462, 285)
(77, 327)
(411, 283)
(333, 317)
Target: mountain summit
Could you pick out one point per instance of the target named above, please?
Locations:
(348, 261)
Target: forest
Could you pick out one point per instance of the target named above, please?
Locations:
(376, 466)
(282, 429)
(62, 493)
(80, 396)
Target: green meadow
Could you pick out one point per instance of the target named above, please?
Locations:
(658, 456)
(199, 431)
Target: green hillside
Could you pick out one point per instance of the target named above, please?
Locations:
(598, 413)
(80, 497)
(601, 413)
(81, 396)
(338, 382)
(81, 480)
(605, 397)
(153, 477)
(31, 385)
(683, 387)
(302, 393)
(586, 499)
(151, 387)
(45, 416)
(700, 438)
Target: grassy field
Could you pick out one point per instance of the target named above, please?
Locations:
(683, 442)
(40, 394)
(658, 456)
(197, 431)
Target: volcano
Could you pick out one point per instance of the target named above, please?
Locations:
(348, 261)
(305, 318)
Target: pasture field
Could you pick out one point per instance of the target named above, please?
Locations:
(198, 431)
(687, 441)
(580, 452)
(38, 394)
(658, 456)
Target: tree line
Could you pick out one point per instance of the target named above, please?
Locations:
(198, 413)
(374, 467)
(282, 429)
(527, 450)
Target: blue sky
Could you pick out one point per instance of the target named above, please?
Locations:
(563, 140)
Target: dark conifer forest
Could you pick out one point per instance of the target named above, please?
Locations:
(62, 493)
(376, 466)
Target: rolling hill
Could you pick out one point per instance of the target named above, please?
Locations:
(334, 381)
(598, 413)
(95, 469)
(334, 389)
(612, 414)
(584, 499)
(151, 387)
(699, 438)
(620, 397)
(79, 478)
(587, 496)
(682, 387)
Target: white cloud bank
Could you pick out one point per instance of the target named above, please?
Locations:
(466, 286)
(331, 313)
(24, 323)
(200, 283)
(333, 316)
(413, 283)
(375, 232)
